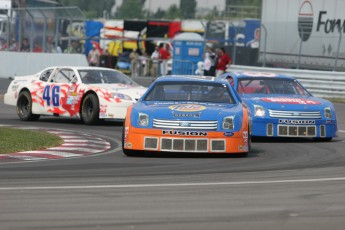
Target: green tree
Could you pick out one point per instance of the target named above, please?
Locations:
(92, 9)
(131, 9)
(244, 2)
(173, 12)
(159, 14)
(188, 8)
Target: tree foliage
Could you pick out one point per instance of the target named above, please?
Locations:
(173, 13)
(244, 2)
(187, 8)
(131, 9)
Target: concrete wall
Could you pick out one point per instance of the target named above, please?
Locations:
(17, 63)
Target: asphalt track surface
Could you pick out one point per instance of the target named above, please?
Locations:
(282, 184)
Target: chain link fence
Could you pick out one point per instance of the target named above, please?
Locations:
(42, 29)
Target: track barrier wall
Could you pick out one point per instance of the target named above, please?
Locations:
(19, 63)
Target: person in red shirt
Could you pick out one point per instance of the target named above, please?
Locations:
(37, 48)
(164, 55)
(222, 61)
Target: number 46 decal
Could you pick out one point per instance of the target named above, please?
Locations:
(52, 96)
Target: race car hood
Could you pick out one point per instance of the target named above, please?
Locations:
(187, 111)
(135, 92)
(281, 102)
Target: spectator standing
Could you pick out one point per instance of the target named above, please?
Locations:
(133, 57)
(143, 64)
(213, 58)
(37, 48)
(207, 64)
(155, 61)
(94, 56)
(3, 44)
(73, 48)
(25, 47)
(50, 48)
(222, 61)
(164, 55)
(13, 45)
(56, 48)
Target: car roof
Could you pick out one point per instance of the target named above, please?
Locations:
(253, 74)
(78, 67)
(190, 78)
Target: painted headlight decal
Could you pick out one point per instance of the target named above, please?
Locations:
(328, 113)
(121, 96)
(259, 111)
(143, 119)
(228, 122)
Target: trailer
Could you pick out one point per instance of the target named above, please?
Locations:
(307, 34)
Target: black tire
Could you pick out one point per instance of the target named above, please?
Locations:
(127, 152)
(90, 109)
(24, 107)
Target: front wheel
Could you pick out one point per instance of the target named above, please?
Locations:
(24, 107)
(90, 109)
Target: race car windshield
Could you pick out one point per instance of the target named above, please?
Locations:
(92, 76)
(190, 91)
(270, 86)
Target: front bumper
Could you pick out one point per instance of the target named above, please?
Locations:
(189, 141)
(268, 127)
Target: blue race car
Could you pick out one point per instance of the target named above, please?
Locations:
(282, 107)
(187, 114)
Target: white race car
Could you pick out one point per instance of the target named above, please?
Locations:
(90, 93)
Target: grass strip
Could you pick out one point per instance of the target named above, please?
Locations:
(17, 140)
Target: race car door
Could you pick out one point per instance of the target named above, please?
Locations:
(61, 93)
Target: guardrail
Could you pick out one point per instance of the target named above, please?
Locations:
(328, 84)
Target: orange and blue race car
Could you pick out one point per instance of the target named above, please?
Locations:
(187, 114)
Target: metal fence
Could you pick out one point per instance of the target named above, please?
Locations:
(45, 29)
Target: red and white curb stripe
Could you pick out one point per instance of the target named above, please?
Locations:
(75, 145)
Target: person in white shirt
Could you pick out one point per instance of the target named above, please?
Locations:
(155, 62)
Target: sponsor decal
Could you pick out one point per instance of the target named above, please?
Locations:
(243, 148)
(73, 94)
(128, 145)
(195, 115)
(15, 87)
(103, 111)
(259, 74)
(334, 25)
(245, 138)
(305, 20)
(324, 22)
(72, 100)
(229, 134)
(296, 122)
(184, 133)
(126, 134)
(296, 101)
(187, 107)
